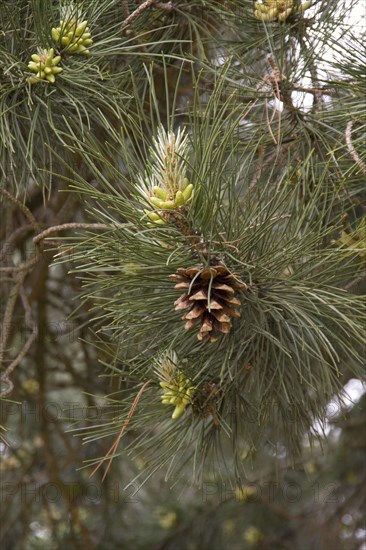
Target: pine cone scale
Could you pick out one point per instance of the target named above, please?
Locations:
(200, 295)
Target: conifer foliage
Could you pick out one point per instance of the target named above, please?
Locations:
(195, 174)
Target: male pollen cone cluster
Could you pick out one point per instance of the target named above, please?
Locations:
(209, 295)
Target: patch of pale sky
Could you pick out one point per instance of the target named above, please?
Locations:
(351, 394)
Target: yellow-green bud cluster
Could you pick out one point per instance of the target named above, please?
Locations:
(45, 65)
(73, 36)
(270, 10)
(164, 199)
(179, 393)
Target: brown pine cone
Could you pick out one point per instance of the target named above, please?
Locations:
(209, 297)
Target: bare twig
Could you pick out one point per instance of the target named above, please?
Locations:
(144, 6)
(10, 242)
(10, 304)
(123, 429)
(30, 324)
(168, 6)
(25, 266)
(8, 245)
(66, 227)
(32, 220)
(352, 151)
(311, 90)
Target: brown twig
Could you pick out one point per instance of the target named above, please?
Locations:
(28, 214)
(311, 90)
(10, 242)
(8, 245)
(30, 324)
(10, 304)
(352, 151)
(66, 227)
(123, 429)
(144, 6)
(25, 266)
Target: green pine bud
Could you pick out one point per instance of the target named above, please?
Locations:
(50, 54)
(154, 217)
(55, 33)
(178, 411)
(81, 28)
(82, 49)
(179, 199)
(161, 193)
(169, 205)
(184, 184)
(157, 202)
(187, 193)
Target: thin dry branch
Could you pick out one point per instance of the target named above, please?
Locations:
(9, 309)
(114, 447)
(32, 220)
(166, 6)
(67, 226)
(352, 151)
(31, 325)
(144, 6)
(25, 266)
(11, 241)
